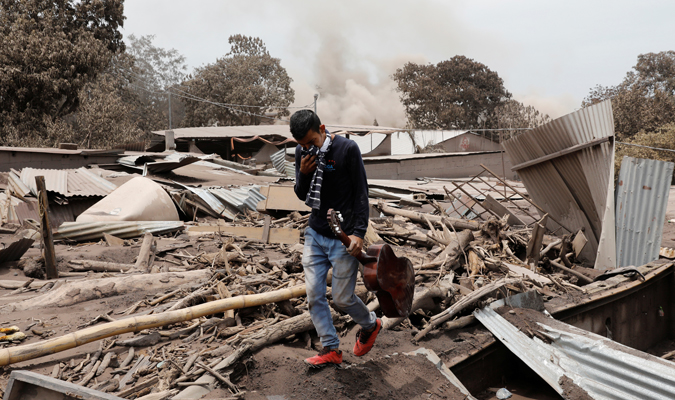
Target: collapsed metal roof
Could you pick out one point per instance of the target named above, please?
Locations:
(641, 202)
(250, 131)
(123, 229)
(68, 182)
(603, 368)
(567, 166)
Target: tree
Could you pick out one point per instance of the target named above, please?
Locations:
(248, 75)
(49, 50)
(645, 99)
(512, 114)
(459, 93)
(156, 70)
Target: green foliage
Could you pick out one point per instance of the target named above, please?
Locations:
(645, 100)
(247, 75)
(49, 51)
(459, 93)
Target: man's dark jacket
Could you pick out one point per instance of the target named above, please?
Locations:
(344, 188)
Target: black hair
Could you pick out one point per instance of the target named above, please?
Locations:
(302, 122)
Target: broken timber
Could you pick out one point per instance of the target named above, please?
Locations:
(276, 235)
(456, 223)
(46, 228)
(136, 324)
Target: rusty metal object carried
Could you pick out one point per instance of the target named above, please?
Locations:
(392, 278)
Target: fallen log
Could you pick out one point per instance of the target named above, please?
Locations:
(84, 290)
(582, 278)
(462, 304)
(147, 253)
(135, 324)
(455, 248)
(100, 266)
(455, 223)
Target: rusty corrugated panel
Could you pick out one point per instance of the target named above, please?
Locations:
(15, 250)
(567, 168)
(641, 202)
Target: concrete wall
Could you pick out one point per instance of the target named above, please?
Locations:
(455, 165)
(47, 160)
(469, 142)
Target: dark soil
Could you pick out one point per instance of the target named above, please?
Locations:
(391, 377)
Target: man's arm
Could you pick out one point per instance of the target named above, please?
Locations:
(360, 210)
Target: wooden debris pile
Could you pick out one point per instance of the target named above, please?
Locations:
(460, 264)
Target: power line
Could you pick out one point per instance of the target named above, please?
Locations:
(140, 78)
(646, 147)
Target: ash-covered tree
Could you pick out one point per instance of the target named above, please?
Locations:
(248, 75)
(49, 51)
(155, 71)
(645, 99)
(512, 114)
(459, 93)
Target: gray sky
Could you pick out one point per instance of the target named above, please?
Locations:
(549, 53)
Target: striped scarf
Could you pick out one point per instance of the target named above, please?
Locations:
(313, 199)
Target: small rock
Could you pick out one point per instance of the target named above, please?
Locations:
(512, 312)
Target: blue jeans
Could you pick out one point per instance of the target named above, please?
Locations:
(319, 255)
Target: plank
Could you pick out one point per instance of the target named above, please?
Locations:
(276, 235)
(31, 385)
(281, 198)
(498, 208)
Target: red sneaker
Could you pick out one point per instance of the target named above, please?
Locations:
(326, 356)
(366, 340)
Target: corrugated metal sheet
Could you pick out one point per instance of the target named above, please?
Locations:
(170, 162)
(56, 180)
(279, 160)
(82, 182)
(17, 186)
(239, 199)
(574, 188)
(68, 182)
(211, 201)
(82, 231)
(641, 202)
(15, 250)
(220, 132)
(603, 368)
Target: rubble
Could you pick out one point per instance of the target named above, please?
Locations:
(206, 293)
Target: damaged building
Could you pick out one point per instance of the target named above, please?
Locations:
(175, 272)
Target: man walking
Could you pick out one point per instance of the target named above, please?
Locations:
(329, 173)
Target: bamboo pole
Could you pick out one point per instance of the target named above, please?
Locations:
(135, 324)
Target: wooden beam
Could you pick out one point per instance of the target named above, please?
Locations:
(276, 235)
(46, 228)
(561, 153)
(266, 229)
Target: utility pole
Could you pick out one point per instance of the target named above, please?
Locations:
(170, 110)
(316, 97)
